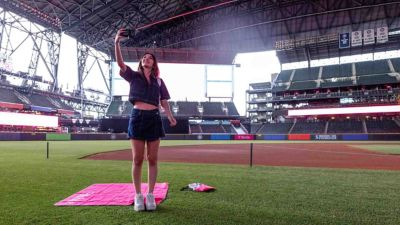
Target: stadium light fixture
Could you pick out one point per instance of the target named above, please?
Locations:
(38, 14)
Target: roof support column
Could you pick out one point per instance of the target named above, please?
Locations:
(53, 46)
(83, 52)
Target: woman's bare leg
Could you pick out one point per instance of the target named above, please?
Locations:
(152, 158)
(137, 162)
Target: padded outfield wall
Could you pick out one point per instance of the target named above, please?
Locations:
(4, 136)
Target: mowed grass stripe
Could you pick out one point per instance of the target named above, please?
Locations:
(387, 148)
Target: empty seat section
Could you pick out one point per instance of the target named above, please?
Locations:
(212, 128)
(7, 95)
(229, 129)
(279, 87)
(255, 127)
(39, 100)
(306, 74)
(261, 86)
(275, 128)
(332, 71)
(372, 67)
(346, 126)
(396, 64)
(336, 83)
(303, 85)
(382, 126)
(187, 108)
(195, 128)
(113, 108)
(376, 79)
(232, 111)
(303, 127)
(283, 76)
(213, 109)
(346, 70)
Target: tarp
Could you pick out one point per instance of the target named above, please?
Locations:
(112, 194)
(41, 108)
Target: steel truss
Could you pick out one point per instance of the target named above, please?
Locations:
(83, 52)
(39, 35)
(241, 26)
(258, 24)
(86, 106)
(46, 50)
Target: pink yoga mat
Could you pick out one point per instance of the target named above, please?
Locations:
(112, 194)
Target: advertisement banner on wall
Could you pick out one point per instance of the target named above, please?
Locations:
(369, 37)
(356, 38)
(355, 137)
(220, 137)
(382, 35)
(274, 137)
(325, 137)
(243, 137)
(299, 137)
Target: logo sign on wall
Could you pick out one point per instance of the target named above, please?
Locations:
(344, 40)
(369, 37)
(326, 137)
(382, 35)
(356, 38)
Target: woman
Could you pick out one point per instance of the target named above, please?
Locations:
(147, 92)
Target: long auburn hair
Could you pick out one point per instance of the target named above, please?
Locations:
(155, 71)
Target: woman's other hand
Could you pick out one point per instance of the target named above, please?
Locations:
(172, 121)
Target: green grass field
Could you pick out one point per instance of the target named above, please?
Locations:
(30, 184)
(389, 149)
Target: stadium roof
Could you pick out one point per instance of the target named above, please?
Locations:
(214, 25)
(261, 85)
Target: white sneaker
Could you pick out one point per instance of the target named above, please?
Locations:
(150, 202)
(139, 203)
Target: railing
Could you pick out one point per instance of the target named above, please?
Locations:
(360, 93)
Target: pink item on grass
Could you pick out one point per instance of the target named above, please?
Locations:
(198, 187)
(112, 194)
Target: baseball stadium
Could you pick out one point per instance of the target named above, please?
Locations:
(305, 132)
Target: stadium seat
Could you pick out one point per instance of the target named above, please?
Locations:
(304, 74)
(283, 76)
(376, 79)
(372, 67)
(303, 85)
(337, 71)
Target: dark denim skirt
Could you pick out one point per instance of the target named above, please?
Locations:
(145, 125)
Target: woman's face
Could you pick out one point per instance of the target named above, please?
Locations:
(147, 61)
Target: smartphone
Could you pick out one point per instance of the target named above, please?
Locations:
(128, 33)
